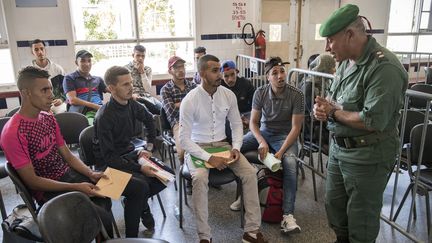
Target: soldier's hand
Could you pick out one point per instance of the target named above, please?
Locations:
(319, 113)
(263, 149)
(219, 163)
(321, 108)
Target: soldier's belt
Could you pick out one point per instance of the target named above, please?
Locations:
(360, 141)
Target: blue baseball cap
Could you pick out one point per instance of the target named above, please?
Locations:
(228, 65)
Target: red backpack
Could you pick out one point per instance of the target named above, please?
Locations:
(270, 193)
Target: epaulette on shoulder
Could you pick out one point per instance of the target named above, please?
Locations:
(380, 56)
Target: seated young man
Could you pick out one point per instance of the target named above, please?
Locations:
(142, 81)
(83, 90)
(115, 123)
(173, 93)
(56, 72)
(33, 144)
(243, 90)
(202, 124)
(279, 108)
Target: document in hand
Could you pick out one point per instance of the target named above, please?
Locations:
(164, 176)
(114, 184)
(271, 162)
(216, 151)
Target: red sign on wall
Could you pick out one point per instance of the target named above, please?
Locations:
(239, 10)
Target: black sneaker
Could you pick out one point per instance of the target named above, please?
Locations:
(147, 219)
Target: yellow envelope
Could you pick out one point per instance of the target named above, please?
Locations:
(114, 185)
(225, 154)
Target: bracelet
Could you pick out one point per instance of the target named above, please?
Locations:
(332, 115)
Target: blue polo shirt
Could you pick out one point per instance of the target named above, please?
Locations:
(75, 82)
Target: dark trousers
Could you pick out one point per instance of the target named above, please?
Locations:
(137, 192)
(101, 204)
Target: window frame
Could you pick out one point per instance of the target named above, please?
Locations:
(417, 31)
(3, 33)
(136, 39)
(4, 45)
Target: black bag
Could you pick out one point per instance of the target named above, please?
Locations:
(21, 223)
(270, 191)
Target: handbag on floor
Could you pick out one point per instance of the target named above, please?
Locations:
(21, 223)
(270, 193)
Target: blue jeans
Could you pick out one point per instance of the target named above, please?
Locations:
(289, 163)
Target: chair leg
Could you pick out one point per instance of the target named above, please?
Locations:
(185, 193)
(163, 153)
(181, 198)
(403, 201)
(414, 202)
(173, 157)
(172, 162)
(428, 211)
(302, 172)
(311, 163)
(115, 225)
(321, 162)
(161, 205)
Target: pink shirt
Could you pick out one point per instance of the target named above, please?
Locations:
(25, 140)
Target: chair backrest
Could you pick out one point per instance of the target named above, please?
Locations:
(413, 118)
(420, 103)
(86, 146)
(22, 189)
(428, 74)
(415, 141)
(13, 111)
(69, 218)
(3, 121)
(71, 124)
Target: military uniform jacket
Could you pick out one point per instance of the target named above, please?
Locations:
(374, 86)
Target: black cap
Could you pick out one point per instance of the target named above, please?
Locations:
(83, 53)
(273, 62)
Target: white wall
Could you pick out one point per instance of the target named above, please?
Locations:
(215, 17)
(316, 11)
(48, 23)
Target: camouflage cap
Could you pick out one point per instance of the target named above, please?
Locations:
(340, 19)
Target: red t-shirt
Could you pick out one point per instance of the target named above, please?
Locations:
(26, 140)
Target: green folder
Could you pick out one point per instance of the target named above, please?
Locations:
(199, 163)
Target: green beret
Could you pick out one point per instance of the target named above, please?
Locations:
(340, 19)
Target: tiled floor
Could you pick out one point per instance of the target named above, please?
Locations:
(225, 224)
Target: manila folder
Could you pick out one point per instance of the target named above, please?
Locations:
(114, 184)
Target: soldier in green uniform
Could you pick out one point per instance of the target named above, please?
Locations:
(362, 110)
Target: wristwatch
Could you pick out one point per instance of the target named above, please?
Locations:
(331, 115)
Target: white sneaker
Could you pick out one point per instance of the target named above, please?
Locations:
(289, 225)
(235, 206)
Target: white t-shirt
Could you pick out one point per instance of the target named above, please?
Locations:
(52, 68)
